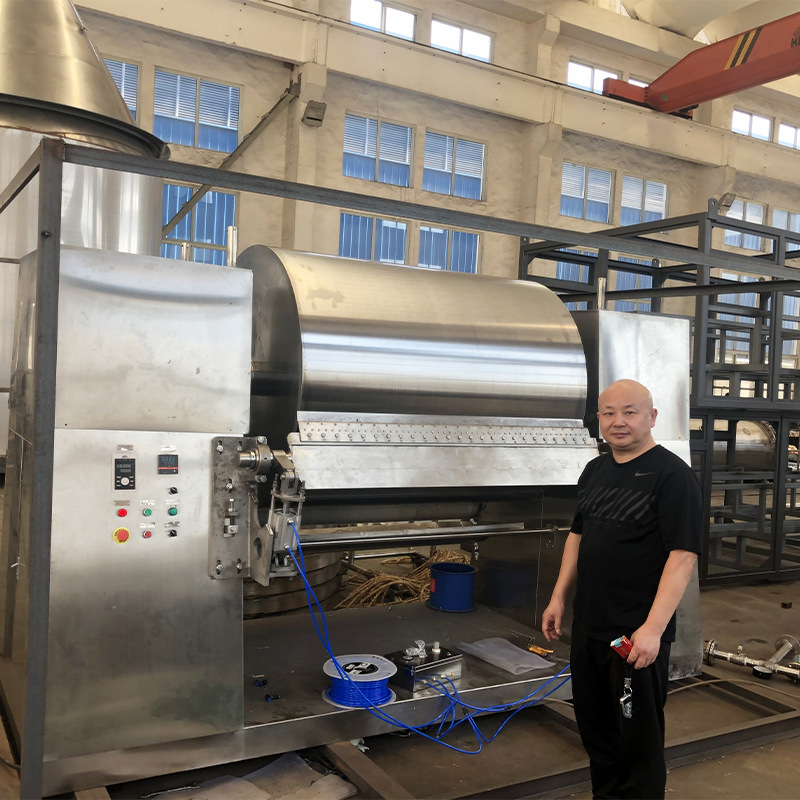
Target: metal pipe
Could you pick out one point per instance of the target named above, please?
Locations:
(601, 293)
(762, 667)
(232, 244)
(378, 538)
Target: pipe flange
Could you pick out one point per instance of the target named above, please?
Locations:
(710, 652)
(790, 640)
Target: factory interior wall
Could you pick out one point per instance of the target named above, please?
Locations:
(519, 107)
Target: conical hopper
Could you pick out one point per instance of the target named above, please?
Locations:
(53, 81)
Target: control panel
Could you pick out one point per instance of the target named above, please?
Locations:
(147, 494)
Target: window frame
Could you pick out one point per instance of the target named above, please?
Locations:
(453, 174)
(594, 68)
(585, 197)
(376, 173)
(461, 28)
(740, 236)
(138, 65)
(199, 81)
(382, 29)
(192, 242)
(643, 280)
(430, 226)
(751, 115)
(374, 219)
(643, 207)
(795, 128)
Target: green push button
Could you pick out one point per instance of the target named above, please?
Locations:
(147, 512)
(172, 511)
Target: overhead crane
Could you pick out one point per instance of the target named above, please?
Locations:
(742, 61)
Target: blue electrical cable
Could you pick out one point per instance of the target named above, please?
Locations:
(454, 700)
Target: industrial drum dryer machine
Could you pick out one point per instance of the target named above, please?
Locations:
(205, 415)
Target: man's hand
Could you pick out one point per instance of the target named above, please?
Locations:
(646, 646)
(551, 620)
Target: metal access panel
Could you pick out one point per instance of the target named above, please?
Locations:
(144, 646)
(150, 344)
(133, 644)
(648, 348)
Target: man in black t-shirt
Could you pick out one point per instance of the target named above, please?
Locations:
(631, 550)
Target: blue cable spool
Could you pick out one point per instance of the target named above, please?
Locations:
(368, 681)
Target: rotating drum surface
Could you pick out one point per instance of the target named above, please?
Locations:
(339, 335)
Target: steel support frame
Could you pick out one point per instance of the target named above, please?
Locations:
(775, 388)
(778, 721)
(46, 162)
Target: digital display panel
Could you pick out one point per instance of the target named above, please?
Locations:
(167, 463)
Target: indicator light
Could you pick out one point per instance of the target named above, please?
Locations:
(147, 512)
(172, 511)
(122, 512)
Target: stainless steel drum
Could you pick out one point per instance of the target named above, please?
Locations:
(339, 335)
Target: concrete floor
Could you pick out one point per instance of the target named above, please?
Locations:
(533, 745)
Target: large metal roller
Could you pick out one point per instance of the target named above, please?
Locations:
(339, 335)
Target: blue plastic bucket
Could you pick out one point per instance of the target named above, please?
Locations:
(452, 587)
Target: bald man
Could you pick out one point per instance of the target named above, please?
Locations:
(630, 553)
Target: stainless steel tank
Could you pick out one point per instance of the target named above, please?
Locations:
(101, 209)
(338, 335)
(53, 83)
(753, 448)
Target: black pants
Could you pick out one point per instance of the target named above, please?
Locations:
(626, 756)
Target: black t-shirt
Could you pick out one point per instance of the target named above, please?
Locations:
(630, 516)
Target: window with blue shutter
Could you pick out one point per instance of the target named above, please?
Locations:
(376, 151)
(748, 212)
(373, 239)
(585, 192)
(571, 271)
(442, 248)
(453, 166)
(642, 201)
(625, 280)
(788, 221)
(737, 337)
(204, 229)
(126, 77)
(206, 116)
(218, 117)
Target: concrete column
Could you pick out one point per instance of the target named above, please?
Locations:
(540, 152)
(303, 124)
(542, 36)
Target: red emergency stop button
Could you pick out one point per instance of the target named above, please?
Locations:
(122, 512)
(121, 535)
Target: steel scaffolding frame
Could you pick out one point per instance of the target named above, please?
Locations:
(739, 369)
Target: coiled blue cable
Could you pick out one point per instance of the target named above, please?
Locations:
(348, 693)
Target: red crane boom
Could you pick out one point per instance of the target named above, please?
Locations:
(748, 59)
